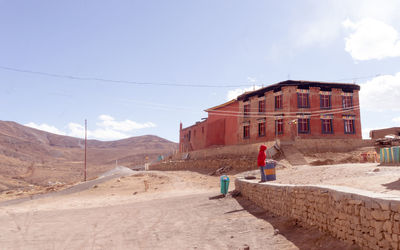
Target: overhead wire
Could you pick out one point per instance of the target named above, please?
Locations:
(304, 110)
(82, 78)
(284, 114)
(209, 85)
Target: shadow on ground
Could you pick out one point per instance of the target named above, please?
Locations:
(395, 185)
(303, 238)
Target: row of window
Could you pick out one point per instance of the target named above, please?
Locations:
(303, 127)
(302, 102)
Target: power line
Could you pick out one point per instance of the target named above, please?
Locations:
(289, 114)
(82, 78)
(209, 85)
(356, 78)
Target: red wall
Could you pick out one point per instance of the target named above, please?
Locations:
(228, 128)
(197, 137)
(290, 111)
(224, 125)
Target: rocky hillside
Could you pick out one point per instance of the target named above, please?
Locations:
(33, 156)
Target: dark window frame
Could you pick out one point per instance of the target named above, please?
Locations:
(246, 110)
(261, 106)
(279, 127)
(324, 131)
(246, 131)
(345, 100)
(300, 129)
(261, 129)
(303, 100)
(352, 126)
(278, 102)
(324, 99)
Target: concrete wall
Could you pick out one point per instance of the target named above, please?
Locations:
(370, 220)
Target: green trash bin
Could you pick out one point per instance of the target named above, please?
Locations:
(224, 184)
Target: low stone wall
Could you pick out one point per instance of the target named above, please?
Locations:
(370, 220)
(307, 146)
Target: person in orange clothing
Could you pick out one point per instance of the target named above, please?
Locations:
(262, 156)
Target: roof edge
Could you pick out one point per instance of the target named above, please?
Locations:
(221, 105)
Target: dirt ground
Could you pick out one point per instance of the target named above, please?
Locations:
(366, 176)
(152, 210)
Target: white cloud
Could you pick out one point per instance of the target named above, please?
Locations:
(322, 24)
(251, 79)
(365, 133)
(45, 127)
(396, 120)
(108, 123)
(371, 39)
(107, 129)
(381, 93)
(232, 94)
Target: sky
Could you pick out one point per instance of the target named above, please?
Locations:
(134, 68)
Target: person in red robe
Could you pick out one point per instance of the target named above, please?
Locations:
(262, 156)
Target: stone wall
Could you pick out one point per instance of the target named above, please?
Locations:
(370, 220)
(330, 145)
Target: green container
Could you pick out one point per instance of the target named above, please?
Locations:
(396, 154)
(386, 155)
(224, 184)
(382, 156)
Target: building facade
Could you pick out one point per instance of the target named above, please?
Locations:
(381, 133)
(287, 110)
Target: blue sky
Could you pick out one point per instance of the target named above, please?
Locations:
(219, 43)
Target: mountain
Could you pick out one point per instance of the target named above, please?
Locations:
(31, 156)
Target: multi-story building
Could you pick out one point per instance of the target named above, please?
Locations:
(287, 110)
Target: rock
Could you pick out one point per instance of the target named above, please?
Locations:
(276, 231)
(380, 215)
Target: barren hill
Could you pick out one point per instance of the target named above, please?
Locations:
(31, 156)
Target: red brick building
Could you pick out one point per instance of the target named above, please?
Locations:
(287, 110)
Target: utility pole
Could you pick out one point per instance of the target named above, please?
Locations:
(85, 145)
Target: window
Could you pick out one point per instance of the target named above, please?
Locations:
(278, 102)
(303, 125)
(189, 135)
(246, 110)
(202, 130)
(347, 102)
(302, 100)
(261, 106)
(349, 127)
(279, 127)
(194, 133)
(246, 131)
(325, 101)
(327, 127)
(261, 129)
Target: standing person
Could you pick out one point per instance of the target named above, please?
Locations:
(261, 162)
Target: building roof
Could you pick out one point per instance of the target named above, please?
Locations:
(221, 105)
(303, 84)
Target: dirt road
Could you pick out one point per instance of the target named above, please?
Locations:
(153, 210)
